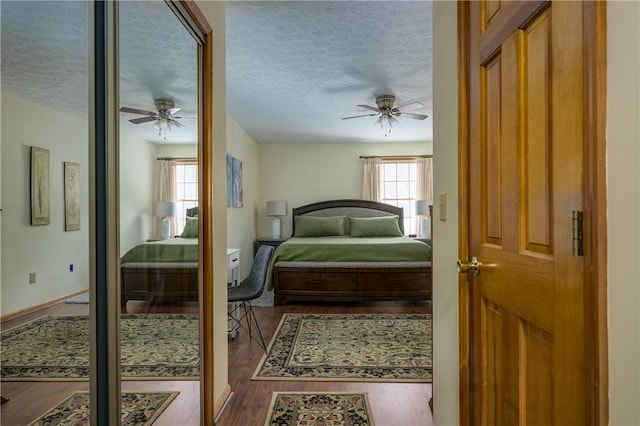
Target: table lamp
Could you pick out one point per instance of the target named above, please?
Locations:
(276, 209)
(422, 212)
(165, 209)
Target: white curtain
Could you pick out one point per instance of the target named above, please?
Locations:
(371, 179)
(424, 191)
(166, 190)
(424, 185)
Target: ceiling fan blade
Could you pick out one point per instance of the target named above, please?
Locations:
(414, 116)
(358, 116)
(172, 111)
(369, 107)
(176, 123)
(142, 120)
(409, 107)
(136, 111)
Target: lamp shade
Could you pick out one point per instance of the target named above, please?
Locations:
(276, 208)
(165, 209)
(422, 207)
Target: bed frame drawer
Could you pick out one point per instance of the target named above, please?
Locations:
(400, 281)
(164, 284)
(315, 281)
(351, 284)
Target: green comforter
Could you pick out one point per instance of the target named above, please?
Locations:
(171, 250)
(350, 249)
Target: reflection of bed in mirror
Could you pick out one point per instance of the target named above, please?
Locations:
(162, 271)
(355, 266)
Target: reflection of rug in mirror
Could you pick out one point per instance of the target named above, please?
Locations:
(138, 408)
(350, 347)
(317, 408)
(153, 347)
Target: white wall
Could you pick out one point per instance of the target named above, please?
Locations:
(445, 234)
(176, 150)
(46, 250)
(137, 175)
(623, 210)
(242, 222)
(307, 173)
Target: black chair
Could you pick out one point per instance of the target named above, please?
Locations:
(250, 288)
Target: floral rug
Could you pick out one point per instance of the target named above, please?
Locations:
(153, 347)
(138, 408)
(319, 409)
(336, 347)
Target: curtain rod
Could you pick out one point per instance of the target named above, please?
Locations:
(396, 156)
(177, 158)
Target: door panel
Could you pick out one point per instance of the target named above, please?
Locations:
(536, 152)
(526, 172)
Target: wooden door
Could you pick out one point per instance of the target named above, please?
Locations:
(525, 345)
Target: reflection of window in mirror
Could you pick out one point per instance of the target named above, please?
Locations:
(186, 190)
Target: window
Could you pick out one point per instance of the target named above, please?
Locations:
(398, 186)
(186, 190)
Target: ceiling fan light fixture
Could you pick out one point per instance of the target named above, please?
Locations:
(163, 124)
(387, 113)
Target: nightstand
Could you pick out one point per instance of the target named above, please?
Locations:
(268, 241)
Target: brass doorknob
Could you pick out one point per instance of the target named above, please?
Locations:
(472, 265)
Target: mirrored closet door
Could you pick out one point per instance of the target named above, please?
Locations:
(158, 209)
(45, 215)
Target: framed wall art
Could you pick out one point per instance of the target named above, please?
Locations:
(234, 182)
(40, 214)
(71, 196)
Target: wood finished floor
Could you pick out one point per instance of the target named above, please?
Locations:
(392, 404)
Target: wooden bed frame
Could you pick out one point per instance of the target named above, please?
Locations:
(157, 282)
(350, 284)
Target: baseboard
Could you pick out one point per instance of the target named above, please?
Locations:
(31, 309)
(222, 402)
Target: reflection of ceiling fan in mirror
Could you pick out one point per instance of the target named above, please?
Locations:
(163, 119)
(387, 113)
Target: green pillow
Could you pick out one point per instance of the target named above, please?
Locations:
(385, 226)
(190, 228)
(316, 226)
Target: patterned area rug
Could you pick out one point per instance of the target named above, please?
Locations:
(319, 409)
(378, 348)
(137, 409)
(153, 347)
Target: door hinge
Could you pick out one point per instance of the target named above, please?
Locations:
(577, 233)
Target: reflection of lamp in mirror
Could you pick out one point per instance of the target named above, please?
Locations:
(165, 210)
(422, 213)
(276, 209)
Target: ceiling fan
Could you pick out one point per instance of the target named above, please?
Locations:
(163, 118)
(387, 113)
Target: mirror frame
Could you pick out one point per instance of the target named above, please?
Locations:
(196, 23)
(103, 128)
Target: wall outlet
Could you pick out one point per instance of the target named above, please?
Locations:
(32, 277)
(71, 267)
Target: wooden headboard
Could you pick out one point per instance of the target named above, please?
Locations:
(350, 208)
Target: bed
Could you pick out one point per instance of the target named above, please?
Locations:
(164, 270)
(362, 264)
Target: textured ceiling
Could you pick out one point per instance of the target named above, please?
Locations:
(293, 68)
